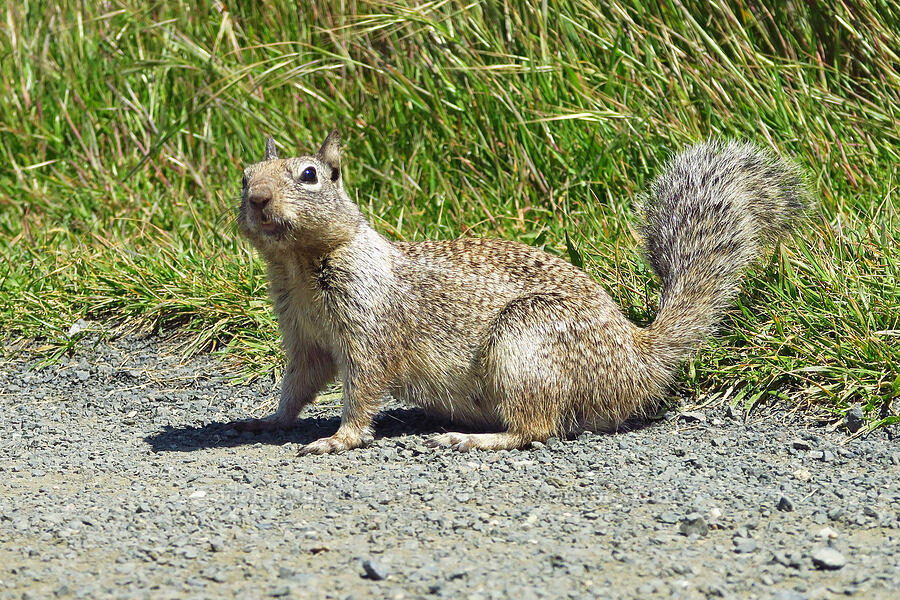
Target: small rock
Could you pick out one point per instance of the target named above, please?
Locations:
(373, 570)
(668, 517)
(801, 445)
(694, 524)
(213, 574)
(788, 559)
(828, 559)
(789, 595)
(713, 590)
(854, 419)
(827, 533)
(802, 475)
(280, 591)
(389, 454)
(558, 561)
(744, 545)
(692, 416)
(78, 326)
(785, 504)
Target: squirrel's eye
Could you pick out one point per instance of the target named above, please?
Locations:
(308, 175)
(244, 181)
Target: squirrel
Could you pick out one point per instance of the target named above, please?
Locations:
(492, 334)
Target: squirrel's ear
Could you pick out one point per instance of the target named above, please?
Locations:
(271, 152)
(330, 154)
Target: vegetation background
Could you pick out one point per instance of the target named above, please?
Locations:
(125, 126)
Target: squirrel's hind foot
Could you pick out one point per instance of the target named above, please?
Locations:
(480, 441)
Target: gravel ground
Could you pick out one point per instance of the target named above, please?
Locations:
(117, 479)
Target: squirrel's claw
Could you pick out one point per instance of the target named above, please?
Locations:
(337, 443)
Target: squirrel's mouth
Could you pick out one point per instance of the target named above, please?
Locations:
(269, 225)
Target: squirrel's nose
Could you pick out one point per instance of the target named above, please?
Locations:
(259, 197)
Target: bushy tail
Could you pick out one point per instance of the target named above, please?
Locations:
(706, 217)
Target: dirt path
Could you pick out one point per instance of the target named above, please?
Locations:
(117, 480)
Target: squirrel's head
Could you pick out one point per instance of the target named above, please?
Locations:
(297, 203)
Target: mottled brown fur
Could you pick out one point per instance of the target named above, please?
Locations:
(489, 333)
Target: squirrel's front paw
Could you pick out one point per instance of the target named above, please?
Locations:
(339, 442)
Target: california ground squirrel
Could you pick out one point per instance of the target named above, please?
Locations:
(494, 334)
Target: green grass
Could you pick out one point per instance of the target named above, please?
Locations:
(125, 124)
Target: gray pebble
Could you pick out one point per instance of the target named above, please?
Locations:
(789, 595)
(854, 419)
(732, 412)
(828, 558)
(692, 416)
(668, 517)
(744, 545)
(373, 570)
(788, 559)
(694, 524)
(785, 504)
(801, 445)
(214, 574)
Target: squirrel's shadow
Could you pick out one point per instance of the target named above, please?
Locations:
(394, 422)
(390, 423)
